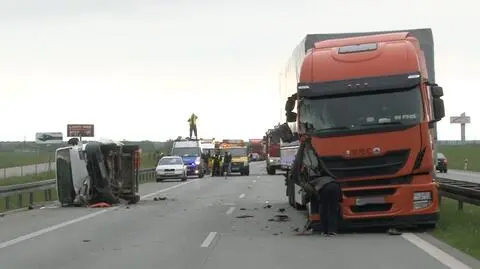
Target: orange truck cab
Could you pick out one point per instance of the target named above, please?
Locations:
(370, 104)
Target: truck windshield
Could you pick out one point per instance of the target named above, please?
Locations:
(186, 152)
(403, 107)
(237, 152)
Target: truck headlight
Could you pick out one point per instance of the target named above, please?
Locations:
(422, 196)
(422, 199)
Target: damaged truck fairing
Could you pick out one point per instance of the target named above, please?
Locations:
(97, 172)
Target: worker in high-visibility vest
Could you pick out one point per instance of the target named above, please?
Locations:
(216, 164)
(192, 121)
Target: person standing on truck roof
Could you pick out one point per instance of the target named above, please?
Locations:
(193, 125)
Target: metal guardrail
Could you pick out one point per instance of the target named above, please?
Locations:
(461, 191)
(43, 191)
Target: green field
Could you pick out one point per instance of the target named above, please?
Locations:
(460, 229)
(11, 159)
(457, 154)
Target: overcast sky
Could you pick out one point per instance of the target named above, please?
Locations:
(137, 69)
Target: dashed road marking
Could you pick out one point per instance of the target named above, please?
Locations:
(242, 196)
(208, 241)
(230, 210)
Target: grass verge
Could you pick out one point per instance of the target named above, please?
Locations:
(27, 179)
(460, 229)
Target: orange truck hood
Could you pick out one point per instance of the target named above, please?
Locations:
(372, 144)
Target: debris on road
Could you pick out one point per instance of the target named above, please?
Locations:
(99, 205)
(243, 208)
(161, 198)
(281, 210)
(86, 240)
(393, 231)
(244, 216)
(280, 218)
(267, 206)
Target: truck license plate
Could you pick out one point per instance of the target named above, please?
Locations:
(169, 172)
(370, 200)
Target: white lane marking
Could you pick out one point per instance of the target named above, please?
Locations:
(49, 229)
(206, 243)
(435, 252)
(230, 210)
(73, 221)
(254, 180)
(241, 196)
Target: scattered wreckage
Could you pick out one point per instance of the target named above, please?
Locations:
(97, 172)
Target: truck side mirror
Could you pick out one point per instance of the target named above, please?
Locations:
(437, 91)
(291, 116)
(438, 109)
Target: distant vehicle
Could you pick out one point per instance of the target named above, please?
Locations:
(442, 163)
(238, 149)
(272, 152)
(254, 157)
(191, 153)
(171, 167)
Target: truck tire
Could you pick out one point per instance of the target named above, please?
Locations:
(291, 195)
(271, 170)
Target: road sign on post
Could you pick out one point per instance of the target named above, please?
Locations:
(49, 138)
(80, 130)
(462, 120)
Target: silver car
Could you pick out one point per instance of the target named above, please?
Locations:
(171, 167)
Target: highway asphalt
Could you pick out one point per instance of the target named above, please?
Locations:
(213, 223)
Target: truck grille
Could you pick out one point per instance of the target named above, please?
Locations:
(387, 164)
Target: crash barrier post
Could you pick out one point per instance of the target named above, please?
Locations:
(23, 195)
